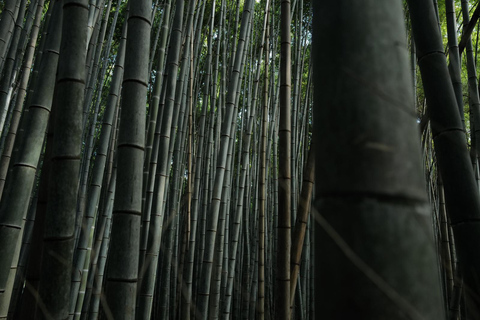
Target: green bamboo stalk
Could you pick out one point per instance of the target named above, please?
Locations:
(94, 49)
(463, 204)
(254, 230)
(237, 285)
(276, 202)
(446, 263)
(207, 172)
(473, 95)
(242, 185)
(214, 301)
(25, 34)
(29, 298)
(17, 109)
(149, 187)
(122, 269)
(149, 268)
(198, 37)
(189, 187)
(282, 300)
(102, 228)
(14, 206)
(6, 88)
(235, 37)
(60, 218)
(23, 259)
(221, 244)
(89, 138)
(26, 29)
(153, 47)
(35, 78)
(180, 161)
(99, 277)
(153, 139)
(153, 110)
(468, 28)
(454, 67)
(7, 22)
(107, 130)
(437, 14)
(295, 106)
(8, 75)
(78, 303)
(306, 272)
(93, 13)
(248, 219)
(171, 215)
(305, 114)
(34, 210)
(263, 178)
(88, 67)
(97, 290)
(202, 139)
(381, 199)
(98, 173)
(32, 271)
(169, 266)
(233, 95)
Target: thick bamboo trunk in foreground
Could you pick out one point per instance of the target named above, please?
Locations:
(375, 253)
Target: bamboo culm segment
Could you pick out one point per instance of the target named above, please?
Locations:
(381, 198)
(59, 228)
(461, 194)
(122, 269)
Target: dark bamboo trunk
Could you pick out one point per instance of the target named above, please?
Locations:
(375, 253)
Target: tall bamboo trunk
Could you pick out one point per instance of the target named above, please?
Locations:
(461, 194)
(455, 66)
(59, 226)
(473, 94)
(17, 109)
(7, 22)
(372, 223)
(214, 207)
(158, 208)
(122, 269)
(15, 200)
(282, 300)
(8, 73)
(98, 173)
(263, 178)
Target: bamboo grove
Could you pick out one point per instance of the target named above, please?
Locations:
(171, 159)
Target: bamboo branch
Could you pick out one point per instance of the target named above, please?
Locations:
(468, 29)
